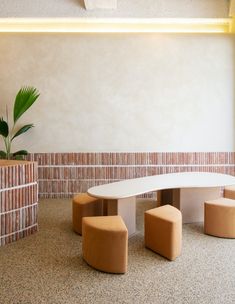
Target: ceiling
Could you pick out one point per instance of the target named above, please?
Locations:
(126, 9)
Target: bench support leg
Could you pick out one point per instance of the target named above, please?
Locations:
(126, 208)
(190, 201)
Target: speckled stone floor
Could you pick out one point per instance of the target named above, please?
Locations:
(47, 267)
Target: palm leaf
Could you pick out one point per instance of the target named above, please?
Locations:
(22, 130)
(20, 152)
(24, 100)
(4, 130)
(3, 155)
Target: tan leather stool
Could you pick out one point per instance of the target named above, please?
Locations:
(163, 231)
(105, 243)
(85, 205)
(219, 217)
(229, 192)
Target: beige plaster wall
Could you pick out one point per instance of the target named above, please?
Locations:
(115, 92)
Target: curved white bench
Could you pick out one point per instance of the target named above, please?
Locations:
(188, 191)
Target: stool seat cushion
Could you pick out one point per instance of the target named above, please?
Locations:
(229, 192)
(109, 224)
(85, 205)
(219, 217)
(105, 243)
(84, 198)
(167, 213)
(163, 231)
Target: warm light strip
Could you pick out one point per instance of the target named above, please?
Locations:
(86, 25)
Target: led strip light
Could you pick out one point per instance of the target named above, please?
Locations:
(124, 25)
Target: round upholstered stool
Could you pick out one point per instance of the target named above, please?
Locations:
(85, 205)
(163, 231)
(219, 217)
(105, 243)
(229, 192)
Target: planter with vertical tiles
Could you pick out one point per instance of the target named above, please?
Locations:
(18, 200)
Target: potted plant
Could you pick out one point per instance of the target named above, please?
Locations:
(25, 98)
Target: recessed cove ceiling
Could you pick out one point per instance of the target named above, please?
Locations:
(125, 9)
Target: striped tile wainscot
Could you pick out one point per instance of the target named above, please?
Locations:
(18, 200)
(65, 174)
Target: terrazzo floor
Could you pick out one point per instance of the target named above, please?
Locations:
(47, 267)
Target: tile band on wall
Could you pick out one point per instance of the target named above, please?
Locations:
(61, 175)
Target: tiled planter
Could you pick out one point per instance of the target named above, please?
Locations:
(18, 200)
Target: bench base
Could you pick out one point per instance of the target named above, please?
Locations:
(190, 201)
(126, 208)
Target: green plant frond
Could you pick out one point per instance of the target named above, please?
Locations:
(24, 100)
(4, 129)
(3, 155)
(19, 157)
(22, 130)
(20, 152)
